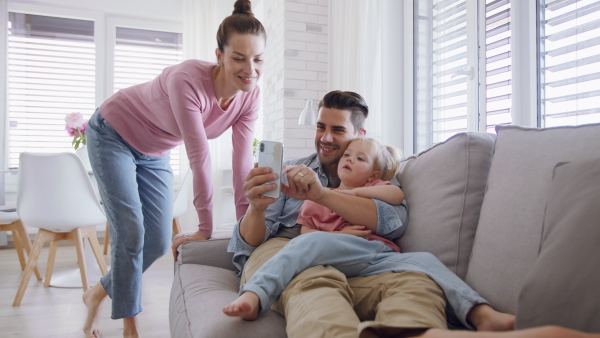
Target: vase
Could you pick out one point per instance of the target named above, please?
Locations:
(82, 152)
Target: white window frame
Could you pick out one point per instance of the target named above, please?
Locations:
(111, 32)
(104, 40)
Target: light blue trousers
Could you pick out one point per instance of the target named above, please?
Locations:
(137, 195)
(355, 257)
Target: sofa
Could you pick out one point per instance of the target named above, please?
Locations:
(508, 212)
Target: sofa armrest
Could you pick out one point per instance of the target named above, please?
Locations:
(212, 252)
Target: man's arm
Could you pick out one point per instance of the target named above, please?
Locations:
(388, 193)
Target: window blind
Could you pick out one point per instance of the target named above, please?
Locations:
(498, 65)
(570, 62)
(140, 55)
(450, 44)
(462, 66)
(51, 72)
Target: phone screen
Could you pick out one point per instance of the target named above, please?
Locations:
(270, 154)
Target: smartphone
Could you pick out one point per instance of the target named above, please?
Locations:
(270, 154)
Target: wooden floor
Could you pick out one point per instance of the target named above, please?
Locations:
(59, 312)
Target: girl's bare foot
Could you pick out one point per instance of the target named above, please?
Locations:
(246, 306)
(487, 319)
(92, 299)
(130, 327)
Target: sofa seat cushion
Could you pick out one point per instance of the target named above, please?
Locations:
(198, 294)
(510, 226)
(444, 187)
(562, 288)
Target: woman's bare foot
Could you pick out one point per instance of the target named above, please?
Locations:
(484, 318)
(246, 306)
(92, 299)
(130, 327)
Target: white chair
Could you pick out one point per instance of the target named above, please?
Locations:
(180, 206)
(55, 195)
(10, 221)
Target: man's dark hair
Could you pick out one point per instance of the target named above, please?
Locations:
(350, 101)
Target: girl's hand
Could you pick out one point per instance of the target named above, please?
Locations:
(303, 183)
(356, 230)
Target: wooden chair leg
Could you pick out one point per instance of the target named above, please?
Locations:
(93, 240)
(106, 239)
(26, 244)
(51, 259)
(31, 263)
(78, 238)
(19, 248)
(176, 227)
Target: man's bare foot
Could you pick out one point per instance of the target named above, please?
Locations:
(130, 327)
(92, 299)
(246, 306)
(484, 318)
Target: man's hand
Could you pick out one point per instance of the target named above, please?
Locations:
(255, 186)
(356, 230)
(185, 237)
(303, 183)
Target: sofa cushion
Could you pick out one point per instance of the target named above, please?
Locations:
(562, 287)
(198, 294)
(510, 226)
(444, 188)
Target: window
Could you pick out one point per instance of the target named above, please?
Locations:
(51, 72)
(459, 70)
(570, 62)
(466, 55)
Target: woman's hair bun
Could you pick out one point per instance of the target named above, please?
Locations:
(242, 7)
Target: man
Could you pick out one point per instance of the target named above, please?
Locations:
(321, 301)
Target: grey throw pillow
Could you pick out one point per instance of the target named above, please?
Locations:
(563, 287)
(444, 187)
(512, 214)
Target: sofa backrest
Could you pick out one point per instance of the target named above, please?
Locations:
(444, 188)
(510, 226)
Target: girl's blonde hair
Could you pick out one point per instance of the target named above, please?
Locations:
(387, 158)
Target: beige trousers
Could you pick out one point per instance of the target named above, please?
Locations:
(322, 302)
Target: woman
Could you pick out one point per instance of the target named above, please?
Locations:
(129, 138)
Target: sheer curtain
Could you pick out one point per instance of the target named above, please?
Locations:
(199, 30)
(355, 58)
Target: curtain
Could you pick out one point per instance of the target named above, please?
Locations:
(199, 30)
(355, 55)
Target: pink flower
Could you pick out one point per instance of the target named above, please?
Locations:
(74, 120)
(71, 131)
(76, 127)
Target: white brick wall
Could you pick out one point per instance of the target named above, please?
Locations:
(296, 70)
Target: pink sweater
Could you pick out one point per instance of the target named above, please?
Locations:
(179, 106)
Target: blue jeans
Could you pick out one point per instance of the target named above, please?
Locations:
(355, 257)
(137, 194)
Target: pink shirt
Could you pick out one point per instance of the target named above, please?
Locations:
(179, 106)
(316, 216)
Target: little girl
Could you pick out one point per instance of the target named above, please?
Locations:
(364, 170)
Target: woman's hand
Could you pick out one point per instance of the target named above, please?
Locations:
(356, 230)
(185, 237)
